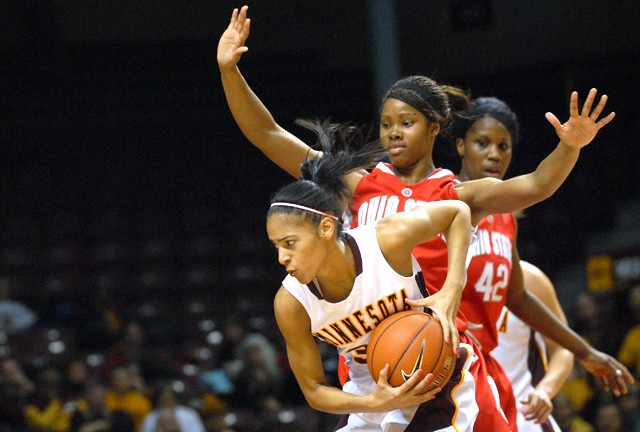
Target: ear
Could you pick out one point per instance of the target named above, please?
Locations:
(327, 228)
(460, 147)
(435, 128)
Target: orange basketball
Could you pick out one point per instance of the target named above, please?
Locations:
(408, 341)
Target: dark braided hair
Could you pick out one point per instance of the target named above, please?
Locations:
(486, 107)
(321, 186)
(437, 102)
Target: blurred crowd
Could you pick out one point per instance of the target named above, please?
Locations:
(208, 370)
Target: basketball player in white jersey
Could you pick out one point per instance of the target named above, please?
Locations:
(522, 352)
(341, 284)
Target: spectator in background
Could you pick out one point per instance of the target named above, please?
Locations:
(92, 414)
(629, 353)
(76, 378)
(167, 421)
(609, 418)
(565, 415)
(630, 406)
(587, 319)
(122, 395)
(14, 315)
(133, 349)
(217, 421)
(46, 410)
(187, 419)
(15, 388)
(257, 381)
(234, 330)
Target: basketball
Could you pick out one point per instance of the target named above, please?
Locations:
(408, 341)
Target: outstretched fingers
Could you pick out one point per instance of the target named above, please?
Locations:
(593, 115)
(573, 104)
(604, 121)
(588, 103)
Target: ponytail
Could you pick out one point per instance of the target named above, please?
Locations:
(321, 186)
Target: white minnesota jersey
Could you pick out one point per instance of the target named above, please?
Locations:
(377, 293)
(522, 354)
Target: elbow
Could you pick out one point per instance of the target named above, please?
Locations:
(312, 401)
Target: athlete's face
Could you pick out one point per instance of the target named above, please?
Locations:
(406, 134)
(300, 245)
(486, 150)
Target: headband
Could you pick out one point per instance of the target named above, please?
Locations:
(423, 99)
(309, 209)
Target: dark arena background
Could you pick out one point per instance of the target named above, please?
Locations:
(131, 201)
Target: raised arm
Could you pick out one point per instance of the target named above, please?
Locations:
(400, 233)
(609, 371)
(306, 364)
(490, 196)
(254, 119)
(538, 405)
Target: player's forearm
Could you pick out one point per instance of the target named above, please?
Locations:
(253, 118)
(535, 314)
(554, 170)
(560, 366)
(335, 401)
(458, 237)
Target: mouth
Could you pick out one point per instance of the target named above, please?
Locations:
(493, 172)
(394, 149)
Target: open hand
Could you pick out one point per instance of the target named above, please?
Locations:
(610, 372)
(231, 45)
(582, 127)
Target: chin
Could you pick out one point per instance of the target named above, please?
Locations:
(303, 280)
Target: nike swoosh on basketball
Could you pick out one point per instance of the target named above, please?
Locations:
(417, 365)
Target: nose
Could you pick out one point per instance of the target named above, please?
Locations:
(283, 257)
(494, 153)
(394, 132)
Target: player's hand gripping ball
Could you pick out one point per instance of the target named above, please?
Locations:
(408, 341)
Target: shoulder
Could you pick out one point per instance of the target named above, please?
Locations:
(533, 270)
(537, 282)
(286, 304)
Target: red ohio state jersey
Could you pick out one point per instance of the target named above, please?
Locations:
(489, 276)
(381, 194)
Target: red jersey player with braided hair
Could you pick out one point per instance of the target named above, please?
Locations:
(485, 136)
(413, 113)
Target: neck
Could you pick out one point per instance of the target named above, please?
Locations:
(415, 173)
(336, 278)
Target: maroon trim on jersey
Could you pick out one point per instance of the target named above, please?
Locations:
(314, 290)
(534, 361)
(357, 256)
(438, 413)
(422, 286)
(342, 423)
(547, 426)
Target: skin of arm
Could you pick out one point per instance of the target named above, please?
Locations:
(400, 233)
(306, 364)
(609, 371)
(490, 196)
(537, 406)
(254, 119)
